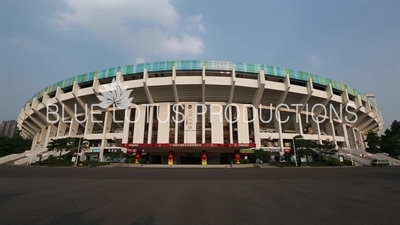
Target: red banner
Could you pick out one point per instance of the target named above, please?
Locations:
(205, 145)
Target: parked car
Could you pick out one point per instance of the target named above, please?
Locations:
(380, 162)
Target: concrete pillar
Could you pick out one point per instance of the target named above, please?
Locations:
(190, 125)
(127, 122)
(140, 118)
(256, 125)
(278, 129)
(217, 127)
(242, 125)
(62, 127)
(163, 123)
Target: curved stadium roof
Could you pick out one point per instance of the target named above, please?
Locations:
(187, 65)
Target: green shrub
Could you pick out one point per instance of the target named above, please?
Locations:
(241, 161)
(140, 161)
(333, 162)
(234, 160)
(246, 161)
(51, 159)
(347, 162)
(129, 160)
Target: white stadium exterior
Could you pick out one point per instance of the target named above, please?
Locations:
(179, 112)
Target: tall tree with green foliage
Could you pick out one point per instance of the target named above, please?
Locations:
(390, 141)
(374, 142)
(14, 145)
(326, 150)
(69, 145)
(303, 147)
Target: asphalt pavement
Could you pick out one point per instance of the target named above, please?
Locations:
(143, 196)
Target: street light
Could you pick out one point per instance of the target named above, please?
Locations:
(77, 152)
(294, 149)
(351, 154)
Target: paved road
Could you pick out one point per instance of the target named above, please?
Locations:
(136, 196)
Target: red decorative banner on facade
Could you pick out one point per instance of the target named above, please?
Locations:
(204, 145)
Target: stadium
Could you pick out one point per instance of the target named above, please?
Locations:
(198, 112)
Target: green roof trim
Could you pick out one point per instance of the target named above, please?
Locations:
(196, 65)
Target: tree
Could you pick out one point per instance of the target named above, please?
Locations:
(262, 155)
(14, 145)
(69, 145)
(326, 150)
(390, 141)
(118, 154)
(373, 141)
(303, 147)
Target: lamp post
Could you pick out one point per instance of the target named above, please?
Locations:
(294, 149)
(77, 152)
(351, 154)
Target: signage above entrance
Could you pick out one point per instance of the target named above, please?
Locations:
(204, 145)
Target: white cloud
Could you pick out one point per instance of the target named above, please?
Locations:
(195, 22)
(140, 60)
(142, 28)
(315, 61)
(30, 45)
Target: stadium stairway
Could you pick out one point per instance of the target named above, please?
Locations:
(45, 155)
(355, 156)
(392, 161)
(363, 157)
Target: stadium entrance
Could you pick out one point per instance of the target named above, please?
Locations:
(194, 154)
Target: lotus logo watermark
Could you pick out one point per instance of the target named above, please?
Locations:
(115, 94)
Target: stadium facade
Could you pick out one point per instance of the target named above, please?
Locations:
(179, 112)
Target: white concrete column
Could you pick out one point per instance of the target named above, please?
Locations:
(107, 122)
(43, 135)
(304, 101)
(34, 141)
(256, 125)
(230, 125)
(351, 136)
(50, 131)
(190, 125)
(176, 96)
(217, 128)
(278, 128)
(62, 127)
(233, 82)
(73, 127)
(175, 111)
(107, 127)
(331, 131)
(150, 123)
(89, 125)
(127, 122)
(282, 98)
(360, 139)
(140, 118)
(203, 128)
(242, 125)
(316, 129)
(260, 90)
(298, 124)
(345, 135)
(163, 123)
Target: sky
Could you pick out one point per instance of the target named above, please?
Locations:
(354, 42)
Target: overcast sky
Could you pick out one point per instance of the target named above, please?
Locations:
(354, 42)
